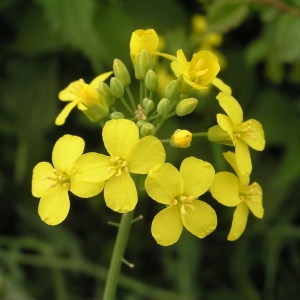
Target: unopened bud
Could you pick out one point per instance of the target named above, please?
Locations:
(147, 129)
(106, 93)
(181, 139)
(171, 90)
(121, 72)
(148, 104)
(163, 106)
(151, 81)
(186, 106)
(144, 63)
(116, 87)
(117, 115)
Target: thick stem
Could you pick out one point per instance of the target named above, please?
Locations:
(117, 257)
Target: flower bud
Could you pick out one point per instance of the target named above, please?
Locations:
(144, 62)
(121, 72)
(181, 139)
(117, 115)
(116, 87)
(163, 106)
(105, 92)
(171, 90)
(147, 129)
(186, 106)
(148, 104)
(151, 81)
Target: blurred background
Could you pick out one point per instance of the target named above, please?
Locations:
(46, 44)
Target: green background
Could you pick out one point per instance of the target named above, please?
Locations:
(44, 45)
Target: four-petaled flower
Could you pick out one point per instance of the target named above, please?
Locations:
(127, 154)
(180, 190)
(231, 190)
(82, 95)
(71, 171)
(234, 132)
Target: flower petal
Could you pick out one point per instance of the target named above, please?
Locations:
(100, 78)
(255, 138)
(223, 87)
(239, 222)
(216, 134)
(226, 124)
(40, 179)
(231, 107)
(197, 176)
(120, 193)
(167, 226)
(255, 201)
(201, 220)
(164, 183)
(92, 167)
(119, 136)
(65, 151)
(61, 118)
(86, 189)
(54, 205)
(225, 189)
(243, 158)
(145, 154)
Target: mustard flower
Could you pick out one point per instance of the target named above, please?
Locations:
(71, 171)
(235, 191)
(127, 154)
(181, 138)
(179, 190)
(232, 130)
(82, 95)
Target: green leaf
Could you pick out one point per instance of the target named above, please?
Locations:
(223, 16)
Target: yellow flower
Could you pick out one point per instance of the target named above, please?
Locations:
(181, 138)
(198, 73)
(127, 154)
(143, 39)
(71, 171)
(179, 190)
(235, 191)
(232, 130)
(82, 95)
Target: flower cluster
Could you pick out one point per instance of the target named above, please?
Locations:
(135, 158)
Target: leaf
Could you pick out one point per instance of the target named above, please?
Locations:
(223, 16)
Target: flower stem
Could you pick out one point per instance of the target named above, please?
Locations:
(117, 257)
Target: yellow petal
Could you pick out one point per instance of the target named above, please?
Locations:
(164, 183)
(254, 137)
(231, 107)
(243, 158)
(65, 151)
(120, 193)
(197, 176)
(201, 220)
(216, 134)
(86, 189)
(143, 39)
(92, 167)
(61, 118)
(40, 179)
(167, 226)
(70, 93)
(239, 222)
(146, 153)
(54, 205)
(226, 124)
(119, 136)
(218, 83)
(254, 200)
(225, 189)
(180, 65)
(100, 78)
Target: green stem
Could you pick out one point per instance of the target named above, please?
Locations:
(131, 99)
(117, 257)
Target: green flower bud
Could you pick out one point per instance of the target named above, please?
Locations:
(97, 111)
(151, 81)
(117, 115)
(163, 106)
(186, 106)
(144, 63)
(121, 72)
(105, 92)
(147, 129)
(116, 87)
(171, 90)
(148, 104)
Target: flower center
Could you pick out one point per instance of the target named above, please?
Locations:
(59, 177)
(245, 130)
(118, 165)
(251, 193)
(184, 203)
(139, 114)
